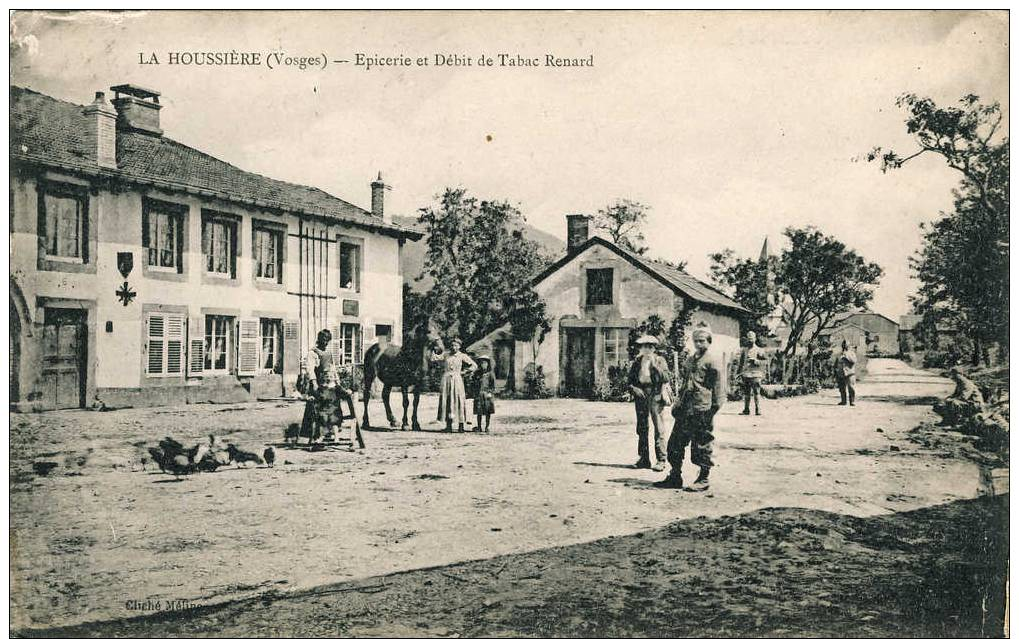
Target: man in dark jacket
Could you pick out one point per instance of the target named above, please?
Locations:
(647, 376)
(700, 397)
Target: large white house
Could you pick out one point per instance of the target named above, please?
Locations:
(146, 272)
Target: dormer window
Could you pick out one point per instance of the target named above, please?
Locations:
(599, 286)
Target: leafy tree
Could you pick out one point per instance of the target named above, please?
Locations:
(477, 258)
(963, 263)
(623, 222)
(528, 318)
(747, 282)
(819, 278)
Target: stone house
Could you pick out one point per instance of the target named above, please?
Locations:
(596, 294)
(145, 272)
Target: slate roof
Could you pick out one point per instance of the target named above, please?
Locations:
(682, 283)
(51, 132)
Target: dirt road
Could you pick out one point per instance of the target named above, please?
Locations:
(92, 541)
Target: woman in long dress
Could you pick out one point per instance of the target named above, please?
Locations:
(452, 395)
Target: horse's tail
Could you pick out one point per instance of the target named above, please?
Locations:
(371, 357)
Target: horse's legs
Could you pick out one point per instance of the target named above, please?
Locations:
(369, 379)
(386, 390)
(403, 391)
(415, 424)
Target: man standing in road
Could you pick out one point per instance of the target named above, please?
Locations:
(699, 399)
(845, 374)
(323, 407)
(646, 379)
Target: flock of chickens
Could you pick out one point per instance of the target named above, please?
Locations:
(172, 457)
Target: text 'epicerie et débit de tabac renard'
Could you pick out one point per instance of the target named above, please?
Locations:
(364, 61)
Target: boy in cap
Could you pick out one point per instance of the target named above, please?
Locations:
(701, 396)
(646, 378)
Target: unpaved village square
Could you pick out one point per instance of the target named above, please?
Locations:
(98, 537)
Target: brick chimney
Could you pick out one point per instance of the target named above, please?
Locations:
(102, 130)
(378, 197)
(577, 231)
(137, 108)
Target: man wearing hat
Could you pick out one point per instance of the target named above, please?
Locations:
(845, 375)
(647, 376)
(700, 397)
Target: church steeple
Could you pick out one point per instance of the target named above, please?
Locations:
(765, 253)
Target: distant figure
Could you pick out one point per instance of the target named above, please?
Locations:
(752, 363)
(452, 395)
(965, 402)
(845, 374)
(648, 374)
(484, 400)
(701, 396)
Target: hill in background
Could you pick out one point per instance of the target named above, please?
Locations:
(412, 258)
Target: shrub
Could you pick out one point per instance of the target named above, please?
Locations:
(534, 384)
(616, 388)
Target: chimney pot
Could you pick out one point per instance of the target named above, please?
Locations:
(577, 231)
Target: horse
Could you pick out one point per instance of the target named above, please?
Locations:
(402, 366)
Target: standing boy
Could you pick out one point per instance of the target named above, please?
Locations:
(701, 396)
(646, 378)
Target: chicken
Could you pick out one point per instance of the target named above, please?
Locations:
(270, 456)
(180, 465)
(241, 456)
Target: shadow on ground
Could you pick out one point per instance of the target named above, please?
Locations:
(937, 571)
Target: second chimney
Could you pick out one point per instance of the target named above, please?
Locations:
(577, 231)
(378, 197)
(102, 130)
(137, 108)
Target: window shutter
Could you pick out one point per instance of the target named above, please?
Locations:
(174, 345)
(196, 346)
(291, 346)
(247, 346)
(156, 332)
(336, 346)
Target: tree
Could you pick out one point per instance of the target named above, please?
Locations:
(528, 318)
(746, 281)
(820, 278)
(477, 257)
(623, 221)
(963, 263)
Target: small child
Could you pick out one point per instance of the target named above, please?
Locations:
(484, 400)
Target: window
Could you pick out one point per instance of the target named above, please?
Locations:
(616, 340)
(599, 286)
(272, 338)
(383, 333)
(63, 212)
(348, 344)
(218, 330)
(350, 266)
(219, 246)
(165, 345)
(162, 235)
(267, 248)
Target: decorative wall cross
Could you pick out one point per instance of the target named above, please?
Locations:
(125, 294)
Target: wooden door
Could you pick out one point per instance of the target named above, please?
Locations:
(63, 360)
(579, 362)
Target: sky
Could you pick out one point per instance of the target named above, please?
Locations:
(730, 126)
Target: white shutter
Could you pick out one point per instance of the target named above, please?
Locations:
(196, 346)
(174, 345)
(336, 346)
(156, 345)
(248, 342)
